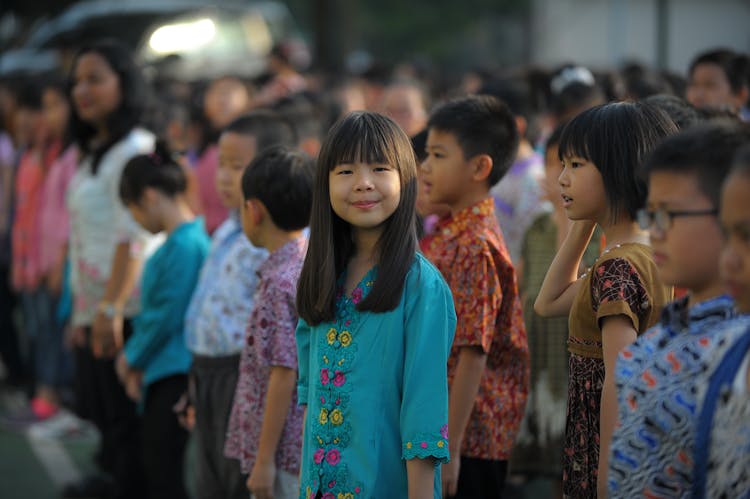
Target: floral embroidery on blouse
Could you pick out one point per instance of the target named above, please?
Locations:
(331, 430)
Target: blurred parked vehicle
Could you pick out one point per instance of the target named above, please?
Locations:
(185, 39)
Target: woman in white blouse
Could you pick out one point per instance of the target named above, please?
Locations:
(107, 249)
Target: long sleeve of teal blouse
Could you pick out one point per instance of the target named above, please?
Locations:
(430, 324)
(168, 281)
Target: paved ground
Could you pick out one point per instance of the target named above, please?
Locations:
(35, 468)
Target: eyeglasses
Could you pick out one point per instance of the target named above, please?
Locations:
(662, 218)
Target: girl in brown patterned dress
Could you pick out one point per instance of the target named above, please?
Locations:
(621, 295)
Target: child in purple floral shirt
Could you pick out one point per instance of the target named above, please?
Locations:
(265, 426)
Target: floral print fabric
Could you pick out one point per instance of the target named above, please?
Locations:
(270, 342)
(470, 253)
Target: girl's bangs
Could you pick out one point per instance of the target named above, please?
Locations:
(361, 141)
(574, 140)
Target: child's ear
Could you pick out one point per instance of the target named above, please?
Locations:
(481, 165)
(255, 209)
(149, 196)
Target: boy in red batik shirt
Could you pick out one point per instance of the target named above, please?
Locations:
(471, 143)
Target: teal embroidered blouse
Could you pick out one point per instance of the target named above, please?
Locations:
(376, 390)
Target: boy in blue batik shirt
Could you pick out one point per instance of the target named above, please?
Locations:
(658, 398)
(219, 311)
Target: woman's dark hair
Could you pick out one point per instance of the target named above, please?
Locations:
(616, 138)
(157, 170)
(134, 98)
(370, 138)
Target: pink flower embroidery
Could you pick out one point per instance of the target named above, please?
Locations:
(319, 456)
(333, 457)
(328, 495)
(324, 376)
(444, 431)
(339, 379)
(347, 323)
(357, 295)
(423, 445)
(357, 490)
(331, 484)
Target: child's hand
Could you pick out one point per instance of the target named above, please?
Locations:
(261, 480)
(106, 334)
(75, 336)
(185, 412)
(133, 385)
(122, 368)
(450, 475)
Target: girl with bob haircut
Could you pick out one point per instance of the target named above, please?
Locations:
(376, 324)
(621, 295)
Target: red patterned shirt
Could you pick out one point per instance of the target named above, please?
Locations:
(470, 252)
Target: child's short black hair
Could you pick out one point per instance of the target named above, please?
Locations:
(482, 125)
(682, 113)
(705, 151)
(616, 138)
(157, 170)
(736, 66)
(282, 179)
(268, 128)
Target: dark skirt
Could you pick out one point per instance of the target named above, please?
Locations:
(581, 453)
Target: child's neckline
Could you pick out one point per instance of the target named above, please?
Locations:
(607, 250)
(365, 282)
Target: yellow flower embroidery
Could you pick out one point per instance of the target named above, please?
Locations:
(308, 493)
(323, 416)
(325, 359)
(441, 444)
(336, 417)
(408, 445)
(348, 495)
(345, 337)
(331, 336)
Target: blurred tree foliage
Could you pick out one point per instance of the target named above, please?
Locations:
(445, 31)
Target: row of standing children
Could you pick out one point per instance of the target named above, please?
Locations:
(488, 356)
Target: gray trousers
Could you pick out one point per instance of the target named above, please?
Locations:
(214, 380)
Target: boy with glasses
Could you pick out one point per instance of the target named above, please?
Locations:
(658, 403)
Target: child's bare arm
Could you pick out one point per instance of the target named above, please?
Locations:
(281, 385)
(420, 474)
(561, 283)
(617, 333)
(471, 364)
